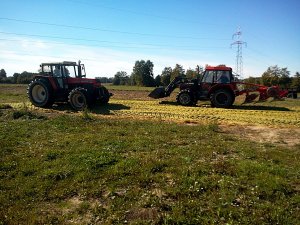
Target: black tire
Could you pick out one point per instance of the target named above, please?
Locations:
(185, 98)
(40, 93)
(104, 95)
(78, 99)
(221, 98)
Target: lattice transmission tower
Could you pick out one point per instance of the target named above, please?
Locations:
(237, 36)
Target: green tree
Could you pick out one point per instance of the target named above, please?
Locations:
(285, 79)
(23, 78)
(177, 71)
(296, 81)
(253, 80)
(2, 73)
(166, 76)
(120, 78)
(142, 74)
(105, 80)
(191, 74)
(276, 76)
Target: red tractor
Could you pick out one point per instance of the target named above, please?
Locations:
(219, 86)
(66, 82)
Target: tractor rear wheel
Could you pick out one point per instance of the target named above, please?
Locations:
(221, 98)
(78, 98)
(40, 93)
(185, 98)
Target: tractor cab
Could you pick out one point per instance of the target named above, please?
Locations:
(217, 75)
(214, 77)
(63, 69)
(62, 74)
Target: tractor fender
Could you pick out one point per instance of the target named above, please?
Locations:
(47, 79)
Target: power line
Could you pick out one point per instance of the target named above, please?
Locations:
(137, 45)
(107, 30)
(145, 14)
(48, 56)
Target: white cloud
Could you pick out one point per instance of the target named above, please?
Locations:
(26, 54)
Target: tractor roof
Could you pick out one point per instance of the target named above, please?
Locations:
(64, 63)
(220, 67)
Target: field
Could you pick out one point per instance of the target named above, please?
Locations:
(143, 161)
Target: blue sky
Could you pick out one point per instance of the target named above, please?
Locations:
(110, 35)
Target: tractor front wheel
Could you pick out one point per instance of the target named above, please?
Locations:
(40, 93)
(104, 95)
(221, 99)
(185, 98)
(77, 99)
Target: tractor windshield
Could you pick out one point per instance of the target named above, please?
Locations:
(216, 76)
(223, 77)
(208, 76)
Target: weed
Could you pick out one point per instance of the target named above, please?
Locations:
(5, 106)
(51, 156)
(86, 115)
(25, 113)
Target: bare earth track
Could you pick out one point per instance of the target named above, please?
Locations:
(287, 137)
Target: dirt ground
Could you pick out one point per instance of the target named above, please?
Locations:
(137, 95)
(288, 137)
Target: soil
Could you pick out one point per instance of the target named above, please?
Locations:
(288, 137)
(137, 95)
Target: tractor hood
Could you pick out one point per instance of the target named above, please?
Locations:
(83, 81)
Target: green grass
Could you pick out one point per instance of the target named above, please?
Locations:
(89, 169)
(81, 169)
(12, 93)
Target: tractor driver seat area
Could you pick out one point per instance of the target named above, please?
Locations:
(57, 74)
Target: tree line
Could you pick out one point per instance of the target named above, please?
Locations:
(17, 78)
(142, 75)
(276, 76)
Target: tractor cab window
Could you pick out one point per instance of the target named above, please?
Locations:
(223, 77)
(57, 71)
(208, 77)
(45, 69)
(69, 71)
